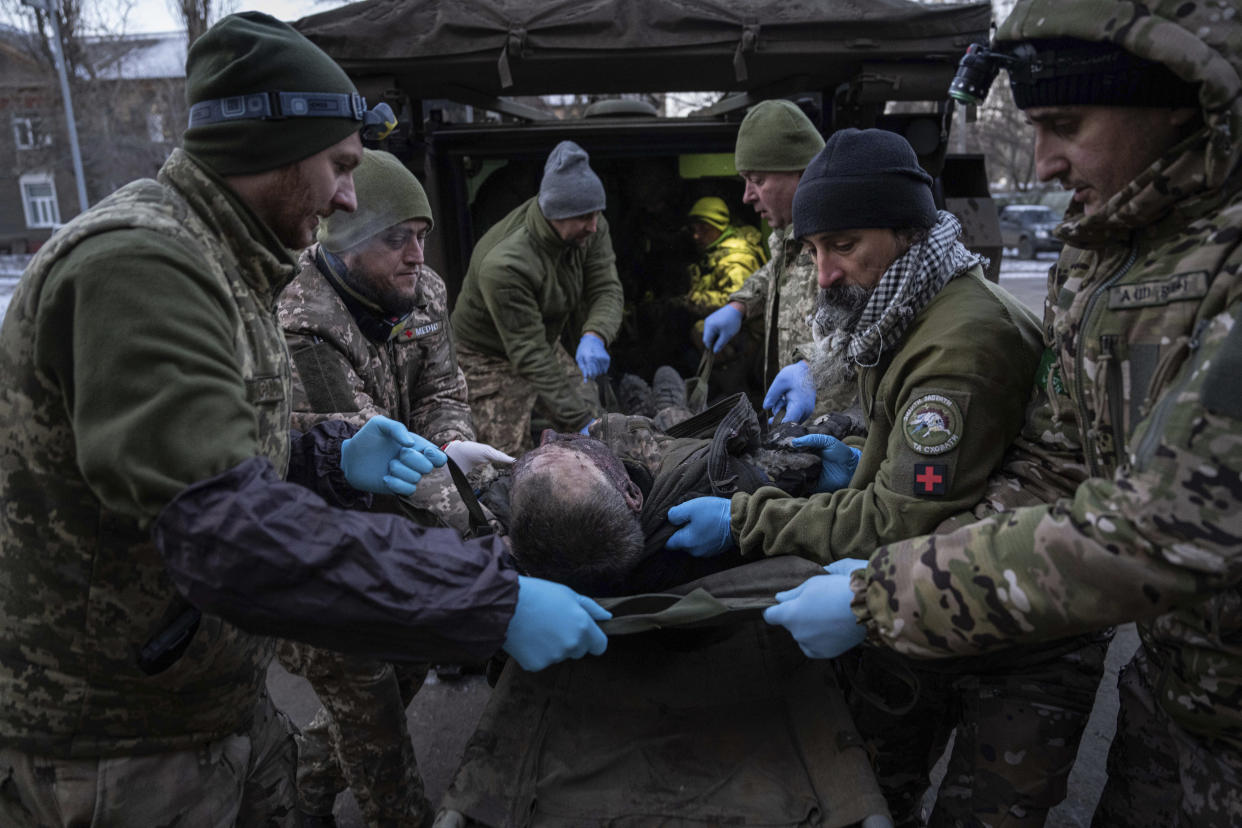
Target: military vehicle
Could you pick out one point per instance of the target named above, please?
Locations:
(861, 63)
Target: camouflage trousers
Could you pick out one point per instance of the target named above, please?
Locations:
(1159, 774)
(359, 737)
(1017, 734)
(501, 400)
(246, 779)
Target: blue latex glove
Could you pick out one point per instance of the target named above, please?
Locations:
(838, 461)
(793, 391)
(845, 566)
(817, 613)
(720, 326)
(553, 623)
(385, 458)
(592, 357)
(706, 530)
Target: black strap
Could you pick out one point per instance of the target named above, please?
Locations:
(705, 423)
(479, 527)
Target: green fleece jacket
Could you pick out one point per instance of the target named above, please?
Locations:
(524, 288)
(941, 409)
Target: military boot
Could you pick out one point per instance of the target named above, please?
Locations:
(635, 397)
(668, 390)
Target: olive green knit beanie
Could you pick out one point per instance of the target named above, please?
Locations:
(388, 194)
(251, 53)
(776, 136)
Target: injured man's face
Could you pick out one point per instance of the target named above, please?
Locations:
(574, 515)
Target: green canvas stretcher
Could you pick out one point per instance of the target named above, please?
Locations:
(699, 714)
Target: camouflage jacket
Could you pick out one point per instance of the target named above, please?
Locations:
(139, 355)
(526, 287)
(724, 267)
(341, 373)
(1145, 355)
(412, 376)
(783, 290)
(940, 407)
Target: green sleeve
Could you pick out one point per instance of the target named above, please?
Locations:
(899, 488)
(510, 298)
(601, 287)
(156, 395)
(1161, 533)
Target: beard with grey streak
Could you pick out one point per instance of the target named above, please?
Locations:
(837, 310)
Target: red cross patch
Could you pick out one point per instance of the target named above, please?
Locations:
(929, 479)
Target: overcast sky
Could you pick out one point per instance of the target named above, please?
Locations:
(154, 16)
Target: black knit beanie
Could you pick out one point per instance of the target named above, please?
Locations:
(254, 52)
(1069, 71)
(863, 178)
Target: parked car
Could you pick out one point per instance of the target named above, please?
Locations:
(1028, 227)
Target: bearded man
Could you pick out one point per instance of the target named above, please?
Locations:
(942, 363)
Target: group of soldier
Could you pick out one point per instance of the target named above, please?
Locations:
(227, 444)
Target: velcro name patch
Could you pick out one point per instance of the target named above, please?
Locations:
(1179, 287)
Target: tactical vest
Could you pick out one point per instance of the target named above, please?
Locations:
(1127, 318)
(83, 585)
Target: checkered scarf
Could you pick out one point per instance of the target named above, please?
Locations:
(905, 289)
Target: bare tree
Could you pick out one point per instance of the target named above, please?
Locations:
(198, 15)
(1004, 136)
(126, 119)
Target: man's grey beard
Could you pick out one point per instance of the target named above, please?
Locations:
(838, 308)
(837, 311)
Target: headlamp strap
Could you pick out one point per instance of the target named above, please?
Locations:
(278, 105)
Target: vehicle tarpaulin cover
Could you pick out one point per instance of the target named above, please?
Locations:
(503, 41)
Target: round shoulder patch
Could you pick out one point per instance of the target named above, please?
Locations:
(932, 424)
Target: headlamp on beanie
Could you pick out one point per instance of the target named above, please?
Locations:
(1068, 72)
(976, 72)
(377, 123)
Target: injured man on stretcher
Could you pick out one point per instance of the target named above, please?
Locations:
(699, 713)
(591, 511)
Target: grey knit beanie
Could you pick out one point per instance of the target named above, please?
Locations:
(569, 187)
(776, 136)
(388, 194)
(863, 178)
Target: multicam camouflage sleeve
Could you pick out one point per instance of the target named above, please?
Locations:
(1165, 531)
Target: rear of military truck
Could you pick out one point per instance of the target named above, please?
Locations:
(886, 63)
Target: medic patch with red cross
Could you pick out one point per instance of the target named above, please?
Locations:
(930, 479)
